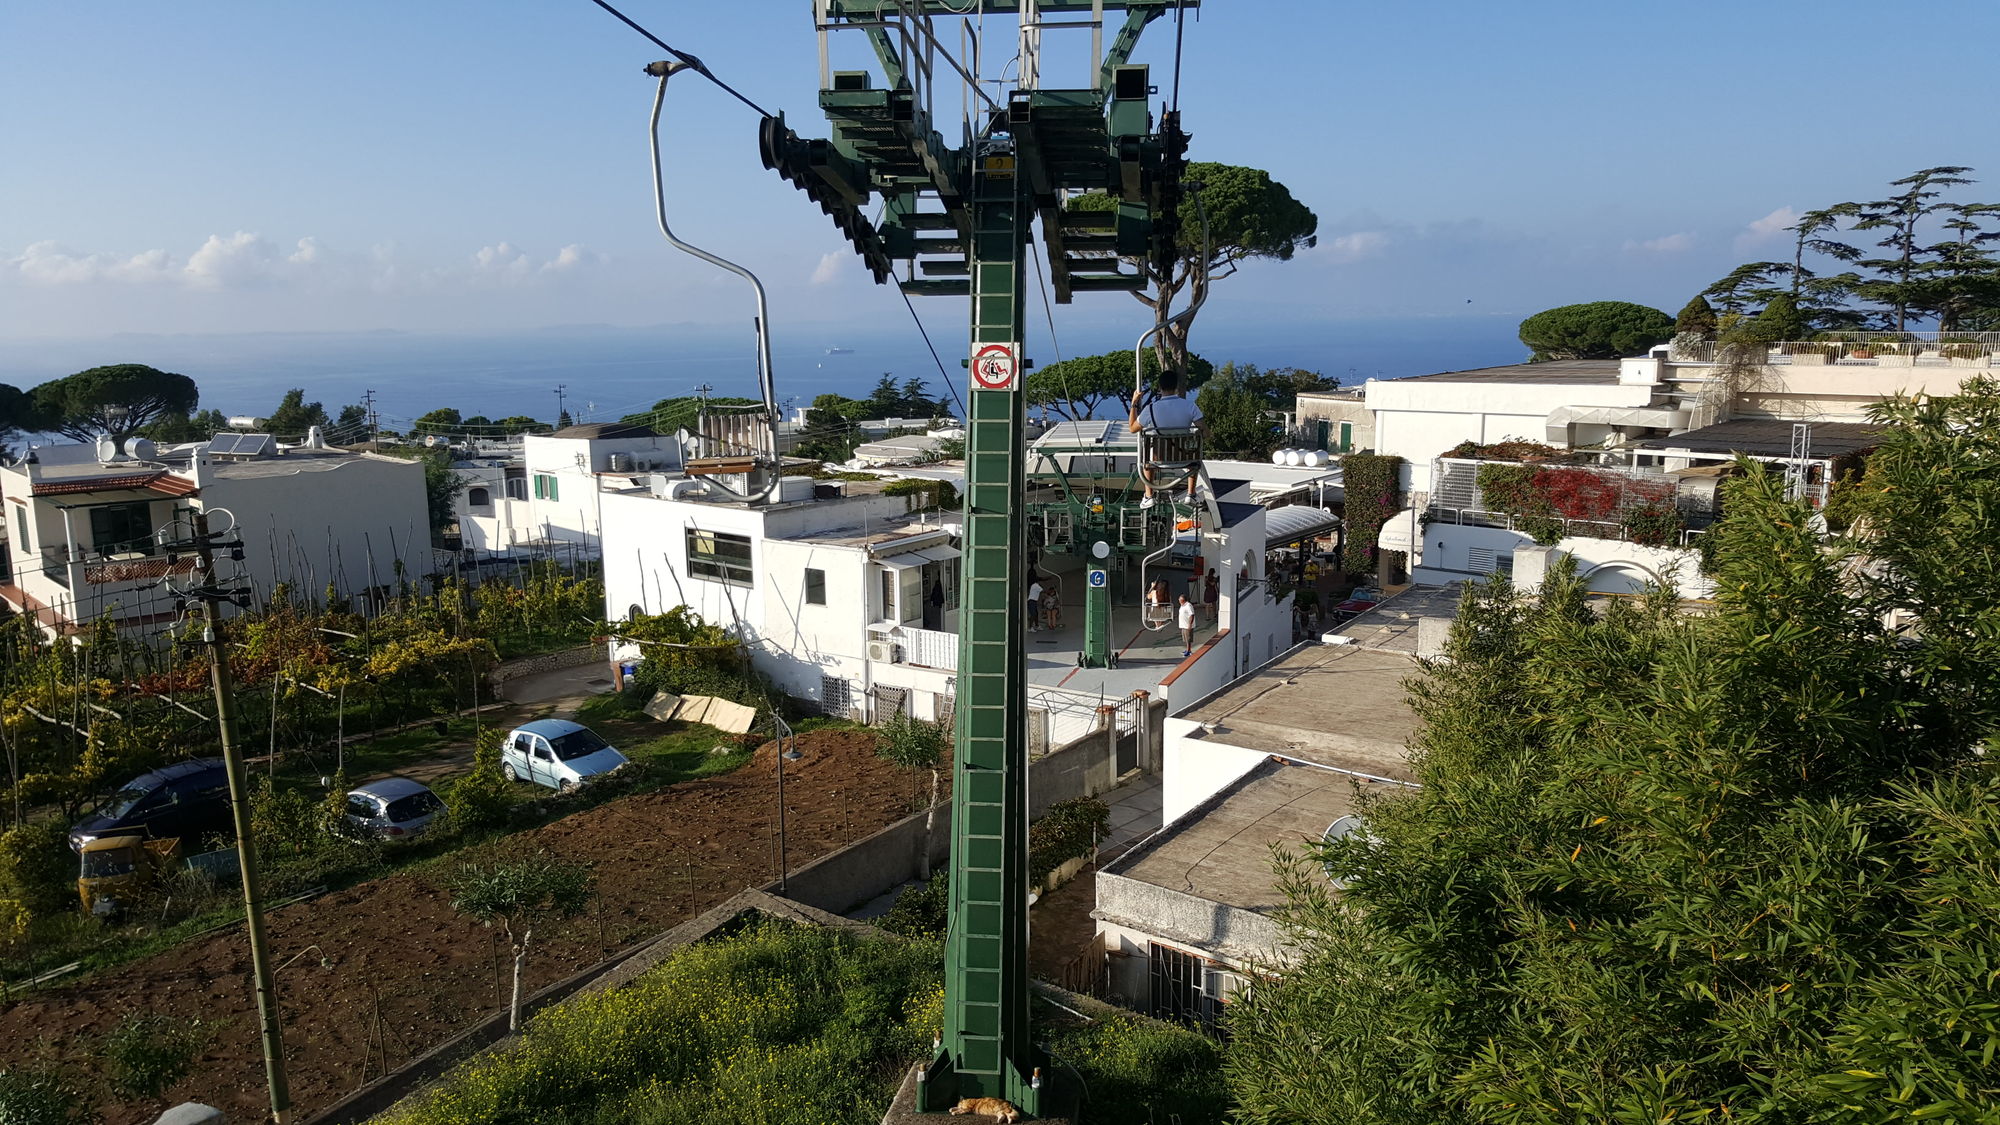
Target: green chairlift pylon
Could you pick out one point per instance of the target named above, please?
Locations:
(962, 218)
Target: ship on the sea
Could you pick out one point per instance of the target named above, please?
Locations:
(840, 351)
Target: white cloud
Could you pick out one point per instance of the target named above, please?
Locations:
(1355, 247)
(1763, 230)
(47, 263)
(568, 258)
(242, 258)
(1665, 244)
(830, 267)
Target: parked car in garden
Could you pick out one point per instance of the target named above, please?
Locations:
(394, 808)
(187, 801)
(559, 754)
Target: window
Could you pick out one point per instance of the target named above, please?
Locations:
(116, 529)
(1504, 564)
(478, 498)
(1347, 437)
(21, 528)
(517, 484)
(815, 586)
(545, 487)
(719, 556)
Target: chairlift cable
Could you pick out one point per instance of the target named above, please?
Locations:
(693, 63)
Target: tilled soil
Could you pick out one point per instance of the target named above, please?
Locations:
(388, 969)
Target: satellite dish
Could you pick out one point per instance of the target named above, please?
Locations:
(142, 448)
(107, 449)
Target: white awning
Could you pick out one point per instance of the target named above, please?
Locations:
(1649, 417)
(909, 560)
(1294, 522)
(1398, 531)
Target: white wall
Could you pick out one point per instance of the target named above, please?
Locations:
(1195, 769)
(311, 528)
(1612, 566)
(1418, 419)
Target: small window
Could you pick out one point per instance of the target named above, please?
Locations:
(361, 807)
(545, 487)
(21, 527)
(1504, 564)
(517, 487)
(478, 498)
(1347, 437)
(635, 612)
(117, 529)
(815, 586)
(719, 557)
(542, 752)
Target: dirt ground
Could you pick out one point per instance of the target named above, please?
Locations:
(388, 967)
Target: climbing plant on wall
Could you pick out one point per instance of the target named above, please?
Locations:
(1373, 495)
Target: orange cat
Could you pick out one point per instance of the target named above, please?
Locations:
(998, 1108)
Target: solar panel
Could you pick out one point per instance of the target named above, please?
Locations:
(240, 445)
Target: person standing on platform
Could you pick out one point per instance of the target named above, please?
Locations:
(1034, 603)
(1187, 626)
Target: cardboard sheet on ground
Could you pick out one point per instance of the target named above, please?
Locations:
(719, 713)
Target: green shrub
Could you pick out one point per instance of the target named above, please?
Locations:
(481, 798)
(1069, 829)
(1653, 525)
(36, 1097)
(145, 1054)
(922, 910)
(298, 841)
(37, 869)
(1142, 1072)
(1595, 330)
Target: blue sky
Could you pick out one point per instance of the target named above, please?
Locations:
(481, 167)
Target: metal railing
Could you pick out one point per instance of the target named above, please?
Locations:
(1883, 349)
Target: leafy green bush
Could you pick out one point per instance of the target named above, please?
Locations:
(1374, 494)
(776, 1024)
(1142, 1072)
(298, 838)
(145, 1054)
(1069, 829)
(37, 868)
(922, 910)
(36, 1097)
(482, 797)
(1595, 330)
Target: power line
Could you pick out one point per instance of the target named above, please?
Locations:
(695, 64)
(942, 373)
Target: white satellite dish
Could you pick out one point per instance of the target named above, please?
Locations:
(107, 449)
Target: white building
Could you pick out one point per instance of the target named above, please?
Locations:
(549, 494)
(82, 531)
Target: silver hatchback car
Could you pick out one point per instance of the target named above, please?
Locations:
(394, 808)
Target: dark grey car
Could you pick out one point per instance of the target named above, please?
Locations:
(394, 808)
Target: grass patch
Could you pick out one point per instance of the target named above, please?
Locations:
(624, 706)
(791, 1025)
(777, 1024)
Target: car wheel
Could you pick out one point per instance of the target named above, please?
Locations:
(568, 785)
(507, 771)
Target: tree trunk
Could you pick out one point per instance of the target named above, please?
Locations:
(924, 846)
(514, 1003)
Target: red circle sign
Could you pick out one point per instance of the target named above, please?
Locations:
(993, 367)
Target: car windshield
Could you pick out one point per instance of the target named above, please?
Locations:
(123, 802)
(114, 861)
(577, 744)
(413, 806)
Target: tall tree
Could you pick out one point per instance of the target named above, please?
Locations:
(1076, 388)
(1899, 216)
(445, 420)
(1249, 215)
(1748, 287)
(294, 415)
(118, 401)
(1729, 867)
(1238, 418)
(828, 433)
(1596, 330)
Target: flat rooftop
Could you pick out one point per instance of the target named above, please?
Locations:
(1221, 851)
(297, 461)
(1554, 371)
(1343, 706)
(1392, 625)
(1771, 437)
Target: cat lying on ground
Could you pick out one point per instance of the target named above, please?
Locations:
(999, 1108)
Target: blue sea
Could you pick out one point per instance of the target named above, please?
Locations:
(607, 372)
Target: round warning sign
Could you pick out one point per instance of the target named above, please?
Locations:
(994, 367)
(1097, 578)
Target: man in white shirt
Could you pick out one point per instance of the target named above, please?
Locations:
(1034, 604)
(1169, 409)
(1187, 626)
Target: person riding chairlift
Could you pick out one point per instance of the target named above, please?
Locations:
(1168, 409)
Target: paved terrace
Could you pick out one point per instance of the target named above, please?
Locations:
(1333, 705)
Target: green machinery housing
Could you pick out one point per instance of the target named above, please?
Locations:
(959, 219)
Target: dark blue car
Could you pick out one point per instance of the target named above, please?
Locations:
(187, 801)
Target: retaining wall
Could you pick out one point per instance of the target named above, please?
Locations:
(546, 662)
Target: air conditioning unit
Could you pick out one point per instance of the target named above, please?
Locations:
(887, 652)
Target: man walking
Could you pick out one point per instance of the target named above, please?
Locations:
(1187, 626)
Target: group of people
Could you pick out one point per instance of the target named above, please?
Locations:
(1044, 607)
(1187, 612)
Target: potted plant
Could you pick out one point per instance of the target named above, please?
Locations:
(1862, 348)
(1965, 353)
(1896, 353)
(1816, 352)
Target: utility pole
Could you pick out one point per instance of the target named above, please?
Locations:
(211, 593)
(560, 388)
(962, 218)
